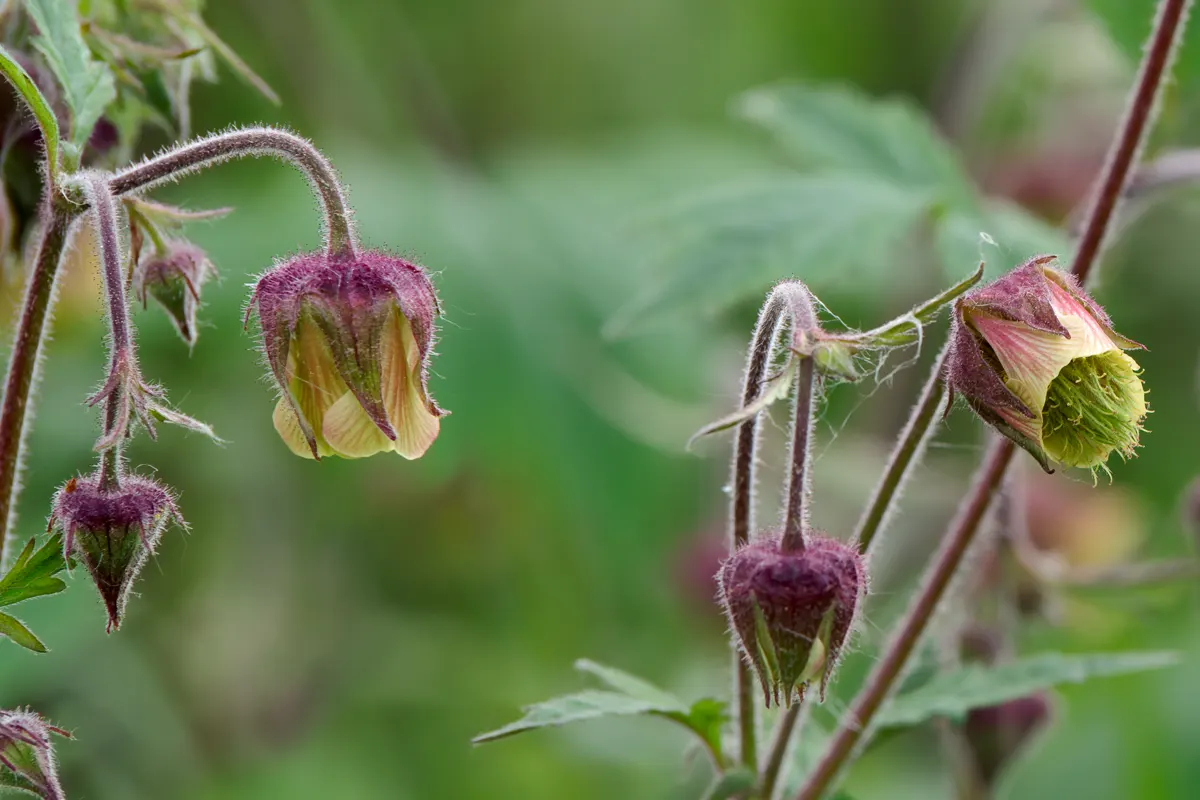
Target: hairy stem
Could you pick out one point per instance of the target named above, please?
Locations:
(797, 486)
(780, 741)
(23, 362)
(1168, 29)
(194, 156)
(792, 301)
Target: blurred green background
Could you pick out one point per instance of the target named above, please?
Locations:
(341, 630)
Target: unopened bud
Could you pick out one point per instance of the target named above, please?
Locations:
(28, 756)
(792, 611)
(113, 531)
(174, 278)
(996, 734)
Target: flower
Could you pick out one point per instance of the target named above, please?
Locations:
(26, 752)
(348, 341)
(173, 277)
(1038, 359)
(113, 529)
(792, 611)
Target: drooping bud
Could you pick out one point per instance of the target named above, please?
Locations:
(113, 531)
(1038, 359)
(792, 611)
(997, 734)
(348, 341)
(28, 756)
(174, 277)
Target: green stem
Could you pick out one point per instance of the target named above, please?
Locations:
(780, 741)
(24, 361)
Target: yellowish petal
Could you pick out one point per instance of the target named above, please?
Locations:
(403, 395)
(289, 429)
(313, 378)
(349, 432)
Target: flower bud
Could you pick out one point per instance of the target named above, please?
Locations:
(174, 278)
(792, 611)
(113, 531)
(348, 341)
(995, 734)
(28, 756)
(1038, 359)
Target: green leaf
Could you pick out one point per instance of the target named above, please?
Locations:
(88, 85)
(1128, 22)
(14, 629)
(732, 245)
(631, 685)
(32, 574)
(954, 694)
(731, 784)
(191, 28)
(37, 103)
(840, 128)
(1002, 236)
(776, 389)
(590, 704)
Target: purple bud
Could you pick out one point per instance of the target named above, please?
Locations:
(113, 531)
(27, 754)
(348, 341)
(1038, 359)
(792, 611)
(174, 278)
(997, 733)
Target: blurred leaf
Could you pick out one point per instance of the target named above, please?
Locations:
(839, 128)
(631, 685)
(32, 96)
(186, 22)
(14, 629)
(590, 704)
(777, 388)
(32, 574)
(88, 85)
(955, 693)
(731, 784)
(1128, 22)
(1002, 236)
(734, 244)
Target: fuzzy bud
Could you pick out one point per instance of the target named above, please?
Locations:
(113, 531)
(792, 611)
(996, 734)
(174, 278)
(348, 341)
(1038, 359)
(27, 755)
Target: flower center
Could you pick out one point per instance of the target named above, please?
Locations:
(1094, 405)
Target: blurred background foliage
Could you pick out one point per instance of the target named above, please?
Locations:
(341, 630)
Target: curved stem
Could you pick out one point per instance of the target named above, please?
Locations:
(188, 158)
(793, 299)
(1168, 29)
(24, 360)
(797, 487)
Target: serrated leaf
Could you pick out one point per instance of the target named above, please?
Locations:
(776, 389)
(88, 85)
(840, 128)
(1128, 23)
(14, 629)
(32, 574)
(37, 103)
(954, 694)
(731, 245)
(631, 685)
(585, 705)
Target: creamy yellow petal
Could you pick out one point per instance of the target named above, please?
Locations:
(349, 432)
(313, 377)
(289, 429)
(407, 409)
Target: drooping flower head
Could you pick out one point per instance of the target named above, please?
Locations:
(174, 278)
(1038, 359)
(27, 754)
(113, 530)
(792, 611)
(348, 340)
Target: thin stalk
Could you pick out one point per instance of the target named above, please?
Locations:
(793, 299)
(24, 360)
(189, 158)
(780, 741)
(1168, 31)
(797, 487)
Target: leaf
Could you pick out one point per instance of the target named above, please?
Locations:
(14, 629)
(731, 784)
(32, 574)
(954, 694)
(631, 685)
(88, 85)
(732, 245)
(777, 388)
(1002, 236)
(1128, 23)
(590, 704)
(840, 128)
(186, 21)
(37, 103)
